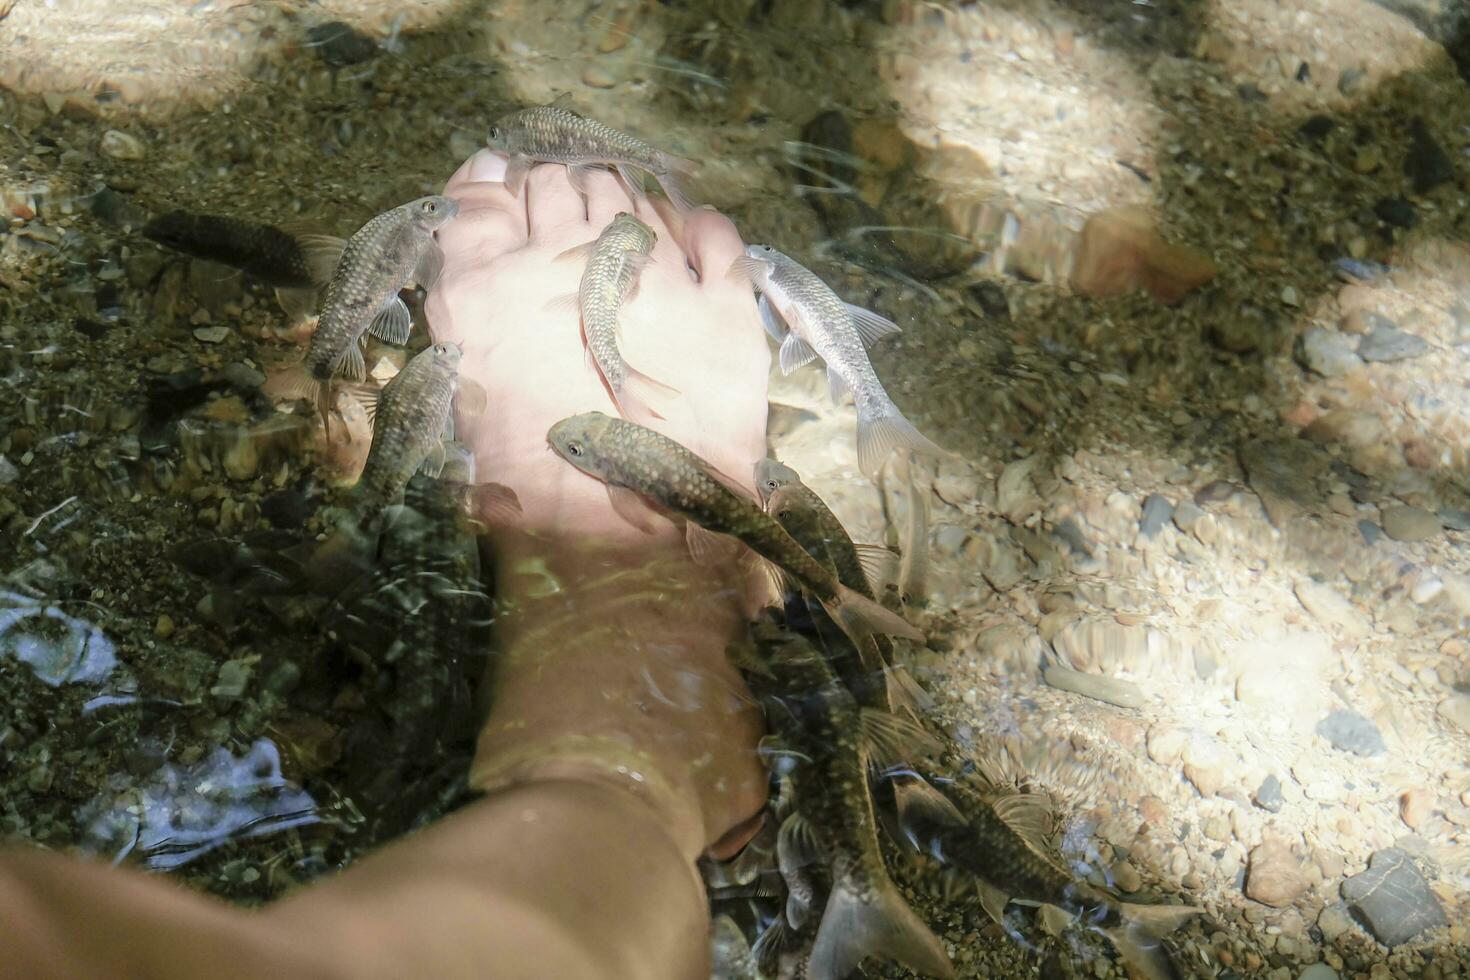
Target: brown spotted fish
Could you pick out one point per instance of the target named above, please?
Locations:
(636, 462)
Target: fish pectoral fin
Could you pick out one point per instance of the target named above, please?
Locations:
(877, 922)
(322, 254)
(770, 319)
(434, 460)
(919, 804)
(577, 174)
(495, 503)
(891, 740)
(393, 322)
(878, 562)
(367, 396)
(430, 265)
(1141, 950)
(769, 945)
(1157, 920)
(796, 844)
(747, 270)
(1030, 815)
(836, 384)
(860, 617)
(576, 253)
(565, 303)
(708, 548)
(470, 398)
(870, 326)
(351, 365)
(904, 693)
(993, 901)
(516, 169)
(795, 353)
(630, 507)
(633, 181)
(299, 304)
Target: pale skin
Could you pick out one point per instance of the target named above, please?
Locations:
(620, 740)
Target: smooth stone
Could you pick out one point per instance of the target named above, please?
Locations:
(1392, 899)
(1390, 343)
(1455, 519)
(1371, 532)
(1268, 795)
(1404, 523)
(1274, 876)
(1113, 690)
(1318, 971)
(1426, 164)
(1396, 211)
(1349, 731)
(211, 335)
(1156, 513)
(1330, 608)
(1456, 711)
(1334, 921)
(1328, 353)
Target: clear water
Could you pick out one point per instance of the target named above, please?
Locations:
(1136, 251)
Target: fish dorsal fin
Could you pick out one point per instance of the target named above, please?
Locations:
(770, 319)
(393, 322)
(322, 254)
(564, 102)
(433, 463)
(870, 326)
(430, 265)
(708, 548)
(1030, 816)
(795, 353)
(796, 844)
(892, 740)
(470, 397)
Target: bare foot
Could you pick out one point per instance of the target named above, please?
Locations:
(612, 642)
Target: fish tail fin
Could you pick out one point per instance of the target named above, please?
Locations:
(861, 617)
(638, 392)
(882, 432)
(879, 924)
(1138, 932)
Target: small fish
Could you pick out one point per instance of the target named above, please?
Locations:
(814, 322)
(636, 462)
(614, 261)
(271, 255)
(411, 425)
(808, 519)
(1003, 845)
(551, 134)
(383, 256)
(833, 824)
(913, 571)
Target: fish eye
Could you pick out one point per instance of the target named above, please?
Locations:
(431, 206)
(441, 348)
(575, 448)
(784, 515)
(772, 485)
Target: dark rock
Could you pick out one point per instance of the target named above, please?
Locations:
(1268, 795)
(1371, 532)
(1359, 270)
(1396, 211)
(1391, 899)
(92, 329)
(339, 44)
(1316, 127)
(1391, 343)
(116, 209)
(1327, 352)
(1214, 492)
(1157, 509)
(992, 299)
(287, 508)
(1349, 731)
(1426, 164)
(1071, 534)
(1249, 92)
(1455, 520)
(831, 132)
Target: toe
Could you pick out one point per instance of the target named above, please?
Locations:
(606, 197)
(555, 210)
(713, 242)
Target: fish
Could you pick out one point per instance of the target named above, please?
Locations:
(296, 264)
(383, 256)
(411, 427)
(1002, 844)
(638, 463)
(614, 260)
(913, 571)
(553, 134)
(807, 518)
(809, 320)
(275, 257)
(833, 824)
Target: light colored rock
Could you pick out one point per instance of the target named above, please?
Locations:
(211, 335)
(1113, 690)
(1275, 875)
(1121, 248)
(1334, 921)
(1415, 806)
(1166, 744)
(1330, 608)
(1456, 711)
(121, 146)
(1405, 523)
(1015, 494)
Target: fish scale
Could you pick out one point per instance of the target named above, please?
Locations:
(412, 412)
(609, 278)
(266, 252)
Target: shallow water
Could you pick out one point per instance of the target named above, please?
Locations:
(1184, 286)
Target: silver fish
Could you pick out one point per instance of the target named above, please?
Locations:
(383, 256)
(814, 322)
(637, 462)
(833, 825)
(614, 261)
(552, 134)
